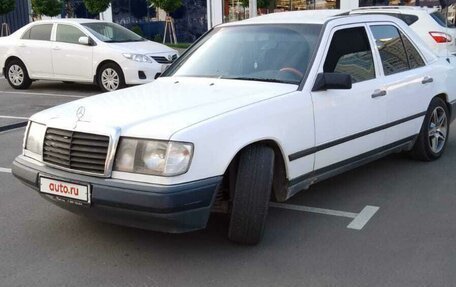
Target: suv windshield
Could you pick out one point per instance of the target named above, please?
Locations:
(439, 18)
(270, 53)
(112, 33)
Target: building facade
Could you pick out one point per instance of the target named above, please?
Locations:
(222, 11)
(17, 18)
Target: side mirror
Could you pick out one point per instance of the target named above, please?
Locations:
(332, 81)
(84, 40)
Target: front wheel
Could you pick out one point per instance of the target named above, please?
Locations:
(17, 75)
(110, 78)
(433, 137)
(252, 193)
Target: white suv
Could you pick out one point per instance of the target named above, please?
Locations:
(81, 50)
(428, 23)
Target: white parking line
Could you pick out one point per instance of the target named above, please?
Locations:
(13, 117)
(313, 210)
(358, 222)
(5, 170)
(363, 217)
(41, 94)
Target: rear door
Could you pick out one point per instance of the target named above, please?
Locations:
(71, 60)
(347, 121)
(34, 49)
(408, 81)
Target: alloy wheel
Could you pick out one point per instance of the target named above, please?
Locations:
(438, 130)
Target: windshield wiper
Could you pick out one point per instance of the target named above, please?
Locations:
(260, 80)
(123, 41)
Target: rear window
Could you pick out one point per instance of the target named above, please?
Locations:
(440, 19)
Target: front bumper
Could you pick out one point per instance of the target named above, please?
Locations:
(174, 209)
(131, 71)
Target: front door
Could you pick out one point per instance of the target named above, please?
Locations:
(71, 60)
(348, 123)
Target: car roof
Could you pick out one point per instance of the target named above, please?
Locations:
(311, 17)
(397, 9)
(68, 20)
(296, 17)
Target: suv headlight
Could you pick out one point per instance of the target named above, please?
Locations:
(138, 58)
(153, 157)
(35, 138)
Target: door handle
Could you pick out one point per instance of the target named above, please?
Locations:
(378, 93)
(427, 80)
(56, 48)
(22, 45)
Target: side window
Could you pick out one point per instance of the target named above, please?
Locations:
(39, 32)
(68, 34)
(26, 35)
(414, 57)
(392, 51)
(350, 53)
(409, 19)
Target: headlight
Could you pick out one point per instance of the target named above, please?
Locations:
(153, 157)
(35, 138)
(138, 58)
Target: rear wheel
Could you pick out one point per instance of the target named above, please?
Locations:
(17, 75)
(432, 140)
(252, 193)
(110, 78)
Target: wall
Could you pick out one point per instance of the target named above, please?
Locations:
(19, 17)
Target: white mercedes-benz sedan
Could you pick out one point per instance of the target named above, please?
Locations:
(254, 111)
(81, 50)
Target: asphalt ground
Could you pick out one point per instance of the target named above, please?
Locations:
(389, 223)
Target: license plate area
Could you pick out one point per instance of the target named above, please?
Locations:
(68, 191)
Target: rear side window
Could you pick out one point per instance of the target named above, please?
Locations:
(414, 57)
(392, 51)
(409, 19)
(39, 32)
(68, 34)
(440, 19)
(354, 59)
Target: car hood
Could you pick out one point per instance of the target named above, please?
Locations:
(161, 108)
(144, 47)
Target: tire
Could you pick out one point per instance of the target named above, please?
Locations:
(252, 193)
(110, 78)
(17, 76)
(433, 137)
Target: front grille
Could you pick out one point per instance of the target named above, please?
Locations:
(76, 150)
(164, 60)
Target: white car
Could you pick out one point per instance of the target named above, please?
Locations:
(428, 23)
(81, 50)
(267, 106)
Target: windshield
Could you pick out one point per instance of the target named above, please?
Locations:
(112, 33)
(270, 53)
